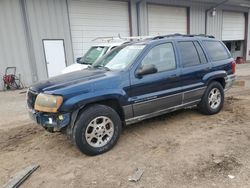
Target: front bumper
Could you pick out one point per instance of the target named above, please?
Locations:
(229, 81)
(50, 121)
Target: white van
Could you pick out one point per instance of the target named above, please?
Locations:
(92, 55)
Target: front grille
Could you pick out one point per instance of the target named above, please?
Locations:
(31, 98)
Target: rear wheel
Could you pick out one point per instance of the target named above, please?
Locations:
(212, 100)
(97, 130)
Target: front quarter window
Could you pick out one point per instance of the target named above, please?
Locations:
(120, 57)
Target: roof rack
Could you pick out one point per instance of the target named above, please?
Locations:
(181, 35)
(137, 37)
(106, 39)
(112, 38)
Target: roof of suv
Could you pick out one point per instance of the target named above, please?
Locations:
(155, 39)
(175, 36)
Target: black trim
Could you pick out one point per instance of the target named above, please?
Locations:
(160, 112)
(187, 98)
(146, 107)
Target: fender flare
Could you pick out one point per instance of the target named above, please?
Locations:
(214, 75)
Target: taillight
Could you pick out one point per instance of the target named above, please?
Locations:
(233, 66)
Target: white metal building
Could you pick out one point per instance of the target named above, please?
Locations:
(41, 37)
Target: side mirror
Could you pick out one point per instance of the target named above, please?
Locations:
(78, 59)
(146, 69)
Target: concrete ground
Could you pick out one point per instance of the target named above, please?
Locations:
(181, 149)
(243, 69)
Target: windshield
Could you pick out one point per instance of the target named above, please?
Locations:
(92, 55)
(120, 57)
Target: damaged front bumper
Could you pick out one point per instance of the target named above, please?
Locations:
(49, 121)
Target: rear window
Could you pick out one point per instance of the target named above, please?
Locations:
(216, 50)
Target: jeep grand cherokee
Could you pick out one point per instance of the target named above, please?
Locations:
(133, 82)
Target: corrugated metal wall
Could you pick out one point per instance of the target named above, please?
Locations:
(214, 24)
(25, 23)
(13, 46)
(48, 19)
(197, 19)
(23, 26)
(197, 15)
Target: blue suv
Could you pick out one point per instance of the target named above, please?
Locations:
(133, 82)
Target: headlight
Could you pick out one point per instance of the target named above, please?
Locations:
(48, 103)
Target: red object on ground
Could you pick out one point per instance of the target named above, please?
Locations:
(240, 60)
(9, 79)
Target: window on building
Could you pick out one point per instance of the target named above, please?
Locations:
(228, 45)
(237, 45)
(162, 56)
(216, 50)
(189, 54)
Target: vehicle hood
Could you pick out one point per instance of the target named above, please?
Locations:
(74, 67)
(79, 81)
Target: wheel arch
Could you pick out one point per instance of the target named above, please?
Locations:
(221, 80)
(113, 103)
(218, 76)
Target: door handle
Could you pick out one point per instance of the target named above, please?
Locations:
(174, 76)
(206, 69)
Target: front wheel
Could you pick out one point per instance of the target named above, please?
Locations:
(212, 100)
(97, 130)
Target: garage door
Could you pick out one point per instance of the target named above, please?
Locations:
(96, 18)
(233, 26)
(166, 20)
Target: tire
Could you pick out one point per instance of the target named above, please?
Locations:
(97, 130)
(210, 105)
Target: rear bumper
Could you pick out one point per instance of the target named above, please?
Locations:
(50, 121)
(229, 81)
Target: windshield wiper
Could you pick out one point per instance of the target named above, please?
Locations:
(84, 63)
(101, 66)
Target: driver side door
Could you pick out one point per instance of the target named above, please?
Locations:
(158, 91)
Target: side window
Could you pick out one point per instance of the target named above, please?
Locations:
(216, 50)
(188, 53)
(162, 56)
(202, 56)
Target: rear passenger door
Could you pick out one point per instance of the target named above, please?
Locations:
(160, 90)
(195, 65)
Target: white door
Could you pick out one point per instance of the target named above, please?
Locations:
(54, 56)
(164, 20)
(90, 19)
(233, 26)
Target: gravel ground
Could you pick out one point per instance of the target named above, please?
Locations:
(180, 149)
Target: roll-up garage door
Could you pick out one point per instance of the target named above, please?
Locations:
(233, 26)
(166, 20)
(96, 18)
